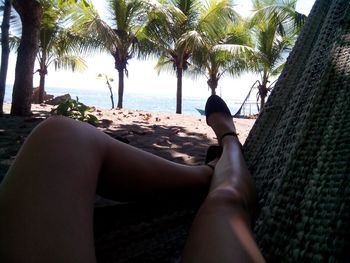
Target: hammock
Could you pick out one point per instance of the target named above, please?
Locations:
(299, 155)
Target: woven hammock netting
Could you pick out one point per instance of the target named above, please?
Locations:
(299, 148)
(298, 152)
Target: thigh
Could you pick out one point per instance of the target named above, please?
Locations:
(46, 199)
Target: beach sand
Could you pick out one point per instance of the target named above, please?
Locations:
(180, 138)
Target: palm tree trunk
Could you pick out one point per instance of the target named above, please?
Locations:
(110, 91)
(5, 51)
(263, 92)
(120, 88)
(31, 13)
(179, 91)
(262, 101)
(42, 73)
(213, 84)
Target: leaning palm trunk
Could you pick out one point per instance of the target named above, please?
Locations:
(179, 74)
(42, 73)
(31, 13)
(111, 92)
(5, 52)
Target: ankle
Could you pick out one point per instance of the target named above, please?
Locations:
(230, 140)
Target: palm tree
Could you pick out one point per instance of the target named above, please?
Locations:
(219, 43)
(5, 50)
(163, 34)
(57, 44)
(275, 28)
(30, 13)
(119, 39)
(195, 32)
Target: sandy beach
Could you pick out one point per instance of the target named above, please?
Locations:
(180, 138)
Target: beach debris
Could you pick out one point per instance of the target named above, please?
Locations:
(168, 118)
(59, 99)
(147, 116)
(35, 96)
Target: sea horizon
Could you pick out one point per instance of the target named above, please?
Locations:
(100, 98)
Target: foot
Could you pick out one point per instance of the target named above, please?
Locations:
(213, 152)
(219, 117)
(231, 179)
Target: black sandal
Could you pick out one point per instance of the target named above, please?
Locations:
(213, 152)
(217, 104)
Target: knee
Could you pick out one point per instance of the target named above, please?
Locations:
(53, 124)
(65, 132)
(57, 127)
(225, 196)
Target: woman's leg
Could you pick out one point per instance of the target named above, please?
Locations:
(46, 199)
(221, 231)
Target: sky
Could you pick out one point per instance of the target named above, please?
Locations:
(143, 78)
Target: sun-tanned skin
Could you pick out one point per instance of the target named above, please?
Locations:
(47, 197)
(221, 231)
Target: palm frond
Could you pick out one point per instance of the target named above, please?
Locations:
(70, 62)
(216, 15)
(234, 50)
(15, 20)
(14, 42)
(277, 70)
(279, 12)
(165, 63)
(97, 31)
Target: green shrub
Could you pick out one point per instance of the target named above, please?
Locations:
(76, 110)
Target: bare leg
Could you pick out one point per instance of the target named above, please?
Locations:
(221, 231)
(46, 199)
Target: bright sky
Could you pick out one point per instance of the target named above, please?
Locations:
(142, 76)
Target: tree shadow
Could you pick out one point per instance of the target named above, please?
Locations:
(174, 143)
(13, 132)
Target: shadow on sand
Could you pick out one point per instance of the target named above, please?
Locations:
(173, 143)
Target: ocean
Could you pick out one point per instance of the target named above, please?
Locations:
(137, 101)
